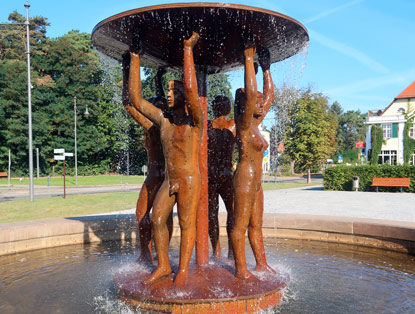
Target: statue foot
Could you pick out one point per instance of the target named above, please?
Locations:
(157, 275)
(244, 275)
(145, 259)
(181, 278)
(265, 268)
(217, 257)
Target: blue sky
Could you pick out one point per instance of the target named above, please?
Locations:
(361, 52)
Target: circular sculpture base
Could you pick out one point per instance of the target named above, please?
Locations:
(210, 289)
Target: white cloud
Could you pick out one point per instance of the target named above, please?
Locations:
(348, 51)
(331, 11)
(403, 79)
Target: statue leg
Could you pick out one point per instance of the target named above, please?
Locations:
(214, 220)
(163, 206)
(255, 233)
(144, 224)
(144, 204)
(227, 194)
(244, 201)
(187, 204)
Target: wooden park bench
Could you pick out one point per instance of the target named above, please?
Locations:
(3, 174)
(391, 182)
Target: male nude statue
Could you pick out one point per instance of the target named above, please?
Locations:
(155, 157)
(180, 132)
(221, 145)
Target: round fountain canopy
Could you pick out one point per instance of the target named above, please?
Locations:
(224, 29)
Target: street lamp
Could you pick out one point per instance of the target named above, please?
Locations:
(29, 99)
(86, 114)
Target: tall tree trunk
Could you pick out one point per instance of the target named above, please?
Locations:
(292, 163)
(308, 175)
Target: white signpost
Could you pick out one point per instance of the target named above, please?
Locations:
(62, 157)
(144, 169)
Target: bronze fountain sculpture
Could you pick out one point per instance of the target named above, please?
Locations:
(200, 39)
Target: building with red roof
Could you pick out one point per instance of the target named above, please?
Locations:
(392, 120)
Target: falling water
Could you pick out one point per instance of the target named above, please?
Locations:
(119, 115)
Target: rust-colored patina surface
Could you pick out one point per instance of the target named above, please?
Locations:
(221, 145)
(155, 158)
(210, 288)
(198, 39)
(251, 107)
(181, 130)
(162, 27)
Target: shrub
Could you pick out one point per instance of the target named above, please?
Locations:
(341, 178)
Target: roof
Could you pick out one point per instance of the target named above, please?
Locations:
(407, 92)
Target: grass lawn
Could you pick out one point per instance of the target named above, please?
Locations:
(71, 206)
(86, 204)
(70, 181)
(286, 185)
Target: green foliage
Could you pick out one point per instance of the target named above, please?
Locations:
(310, 137)
(349, 156)
(340, 178)
(62, 68)
(408, 142)
(351, 128)
(377, 141)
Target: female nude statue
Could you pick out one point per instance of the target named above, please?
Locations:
(155, 157)
(250, 109)
(221, 144)
(180, 132)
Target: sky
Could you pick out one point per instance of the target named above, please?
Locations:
(361, 52)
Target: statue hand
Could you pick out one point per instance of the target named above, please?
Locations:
(136, 46)
(249, 52)
(126, 60)
(191, 42)
(161, 72)
(264, 58)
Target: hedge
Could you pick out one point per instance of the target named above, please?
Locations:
(340, 178)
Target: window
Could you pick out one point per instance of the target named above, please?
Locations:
(401, 110)
(412, 130)
(412, 160)
(387, 130)
(388, 157)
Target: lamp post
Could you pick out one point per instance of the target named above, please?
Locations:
(86, 113)
(29, 99)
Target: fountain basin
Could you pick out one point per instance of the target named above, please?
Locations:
(38, 237)
(324, 278)
(32, 235)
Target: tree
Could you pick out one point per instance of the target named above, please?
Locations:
(351, 130)
(285, 98)
(377, 140)
(13, 87)
(310, 136)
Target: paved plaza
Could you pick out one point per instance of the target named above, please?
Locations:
(311, 200)
(315, 201)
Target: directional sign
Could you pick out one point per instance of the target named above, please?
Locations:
(266, 152)
(340, 157)
(61, 151)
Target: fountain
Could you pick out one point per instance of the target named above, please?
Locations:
(69, 264)
(224, 38)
